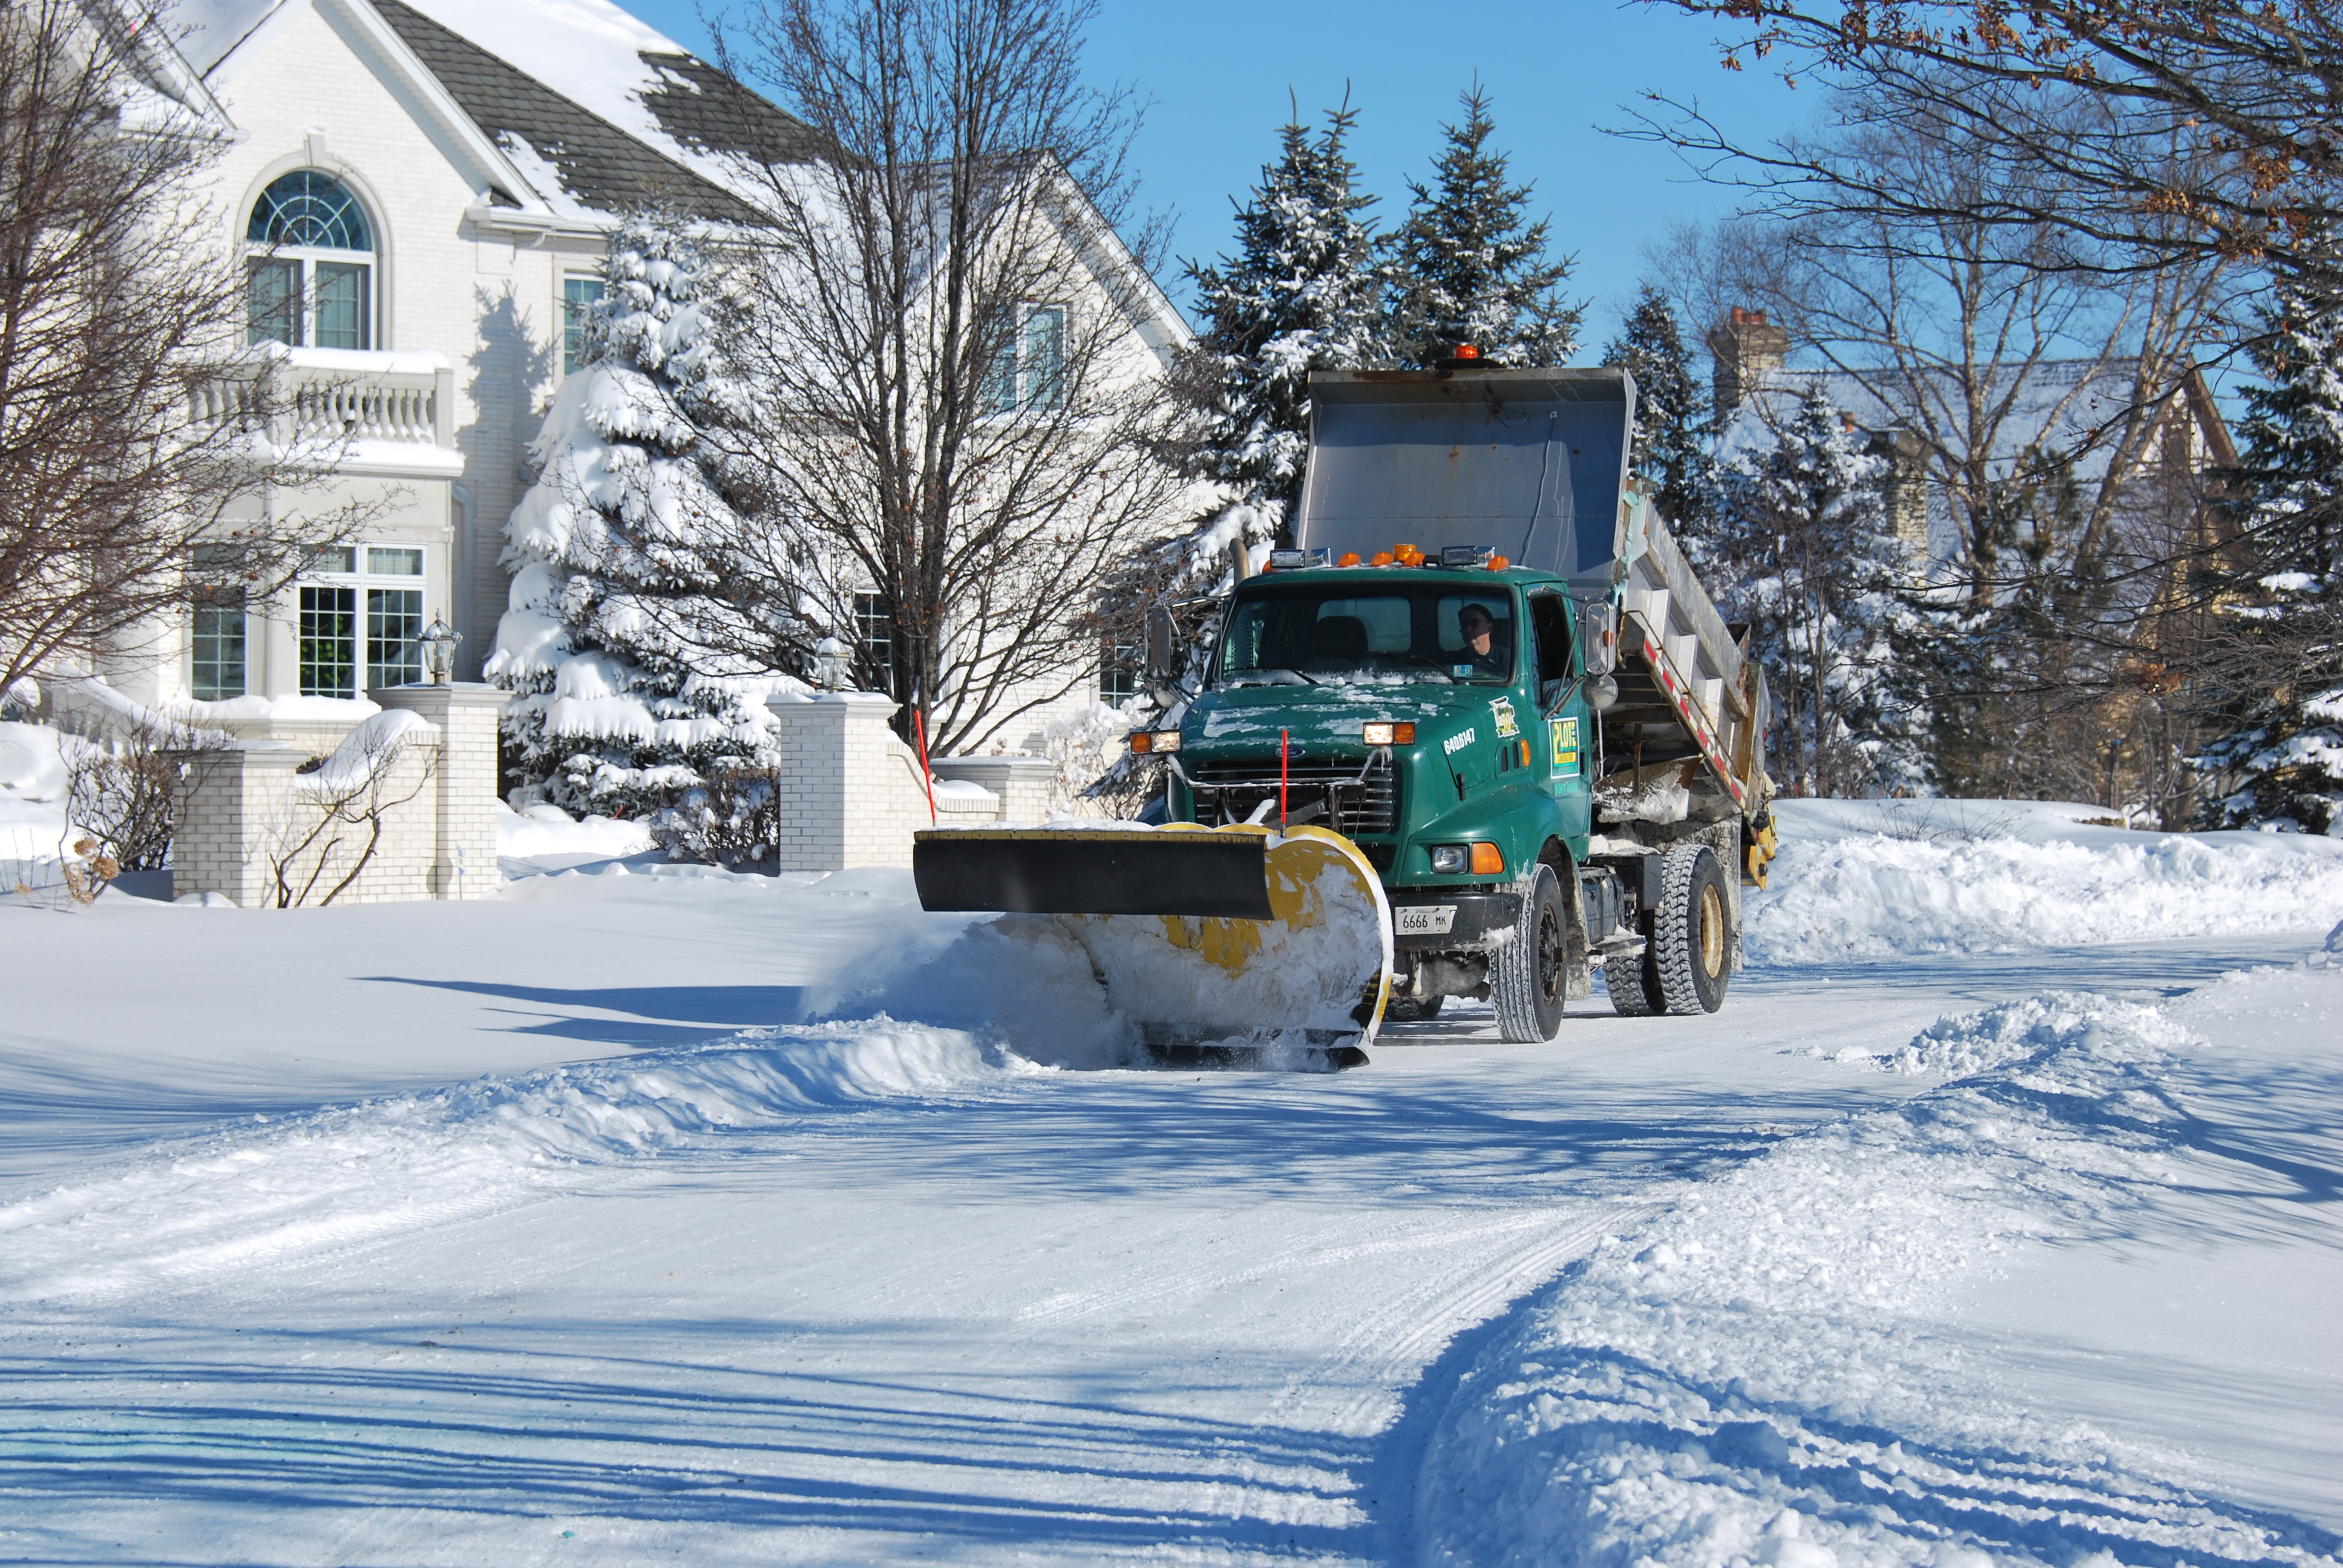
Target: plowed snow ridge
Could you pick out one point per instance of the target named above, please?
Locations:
(1756, 1378)
(260, 1188)
(1840, 892)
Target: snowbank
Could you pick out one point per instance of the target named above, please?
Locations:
(259, 1190)
(1768, 1373)
(1871, 880)
(547, 832)
(33, 783)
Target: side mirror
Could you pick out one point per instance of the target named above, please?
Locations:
(1598, 635)
(1601, 692)
(1162, 641)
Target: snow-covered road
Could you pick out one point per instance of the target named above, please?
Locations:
(283, 1279)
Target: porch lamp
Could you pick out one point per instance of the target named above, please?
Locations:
(834, 668)
(439, 650)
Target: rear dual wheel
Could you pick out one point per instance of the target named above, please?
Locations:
(1687, 959)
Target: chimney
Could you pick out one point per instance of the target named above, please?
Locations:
(1747, 348)
(1907, 492)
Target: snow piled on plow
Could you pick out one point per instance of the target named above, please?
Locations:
(1885, 878)
(1774, 1372)
(260, 1190)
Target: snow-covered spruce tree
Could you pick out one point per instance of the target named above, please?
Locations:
(1300, 294)
(2281, 761)
(1671, 409)
(617, 712)
(1806, 557)
(1467, 266)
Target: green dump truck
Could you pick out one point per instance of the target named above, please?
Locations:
(1487, 670)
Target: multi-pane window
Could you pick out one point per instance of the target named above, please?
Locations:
(328, 633)
(874, 633)
(1029, 368)
(578, 297)
(366, 619)
(1118, 671)
(310, 273)
(217, 672)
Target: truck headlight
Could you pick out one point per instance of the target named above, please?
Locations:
(1447, 860)
(1390, 734)
(1155, 741)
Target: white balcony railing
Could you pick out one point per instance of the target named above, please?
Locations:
(356, 409)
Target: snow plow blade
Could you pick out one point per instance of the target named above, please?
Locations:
(1225, 946)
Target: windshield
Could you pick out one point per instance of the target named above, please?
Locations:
(1307, 633)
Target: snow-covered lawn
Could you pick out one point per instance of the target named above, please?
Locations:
(652, 1213)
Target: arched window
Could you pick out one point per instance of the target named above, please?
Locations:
(311, 255)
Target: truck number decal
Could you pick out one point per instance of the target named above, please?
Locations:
(1566, 748)
(1502, 709)
(1457, 743)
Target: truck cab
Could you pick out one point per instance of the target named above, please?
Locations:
(1433, 711)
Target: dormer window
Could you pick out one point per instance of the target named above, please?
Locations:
(310, 255)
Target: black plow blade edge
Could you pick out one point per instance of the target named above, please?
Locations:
(1221, 875)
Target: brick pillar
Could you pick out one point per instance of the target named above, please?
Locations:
(232, 801)
(850, 791)
(464, 860)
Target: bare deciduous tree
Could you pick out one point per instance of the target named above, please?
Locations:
(958, 415)
(2033, 380)
(2213, 136)
(125, 440)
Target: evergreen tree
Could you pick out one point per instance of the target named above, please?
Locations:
(1468, 268)
(619, 711)
(1300, 294)
(1806, 557)
(1671, 409)
(2282, 759)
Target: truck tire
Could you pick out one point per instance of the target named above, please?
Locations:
(1635, 985)
(1413, 1010)
(1692, 931)
(1532, 974)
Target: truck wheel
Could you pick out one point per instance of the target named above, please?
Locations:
(1635, 985)
(1413, 1010)
(1692, 932)
(1532, 970)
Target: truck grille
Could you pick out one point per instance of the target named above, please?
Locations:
(1351, 797)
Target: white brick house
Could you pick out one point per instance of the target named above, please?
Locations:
(421, 193)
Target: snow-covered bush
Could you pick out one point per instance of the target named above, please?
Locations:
(731, 819)
(620, 710)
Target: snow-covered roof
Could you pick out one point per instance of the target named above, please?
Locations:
(2076, 407)
(206, 30)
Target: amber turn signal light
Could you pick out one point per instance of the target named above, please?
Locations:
(1391, 734)
(1488, 861)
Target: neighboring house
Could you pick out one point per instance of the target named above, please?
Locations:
(422, 193)
(2075, 408)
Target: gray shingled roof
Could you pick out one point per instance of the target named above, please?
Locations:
(599, 164)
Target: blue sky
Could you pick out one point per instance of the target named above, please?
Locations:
(1218, 73)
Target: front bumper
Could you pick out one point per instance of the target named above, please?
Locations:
(1440, 920)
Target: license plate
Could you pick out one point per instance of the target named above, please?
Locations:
(1424, 920)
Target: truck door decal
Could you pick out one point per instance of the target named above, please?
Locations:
(1566, 748)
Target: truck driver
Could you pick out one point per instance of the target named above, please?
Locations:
(1490, 656)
